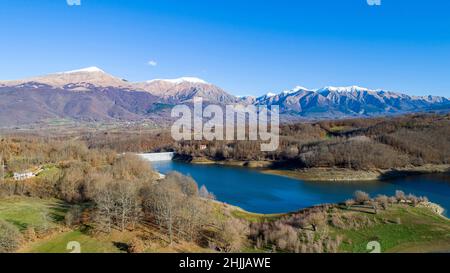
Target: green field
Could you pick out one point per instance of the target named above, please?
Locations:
(34, 212)
(419, 229)
(58, 244)
(24, 212)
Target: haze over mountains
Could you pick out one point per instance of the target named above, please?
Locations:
(91, 94)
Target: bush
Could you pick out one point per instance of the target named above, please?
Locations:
(30, 234)
(136, 246)
(187, 185)
(204, 193)
(382, 200)
(361, 197)
(316, 219)
(10, 237)
(349, 203)
(130, 167)
(400, 195)
(73, 216)
(413, 199)
(392, 200)
(337, 221)
(233, 235)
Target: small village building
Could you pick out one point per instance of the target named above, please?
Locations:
(23, 176)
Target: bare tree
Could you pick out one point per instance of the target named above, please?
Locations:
(383, 200)
(195, 214)
(73, 216)
(316, 219)
(117, 203)
(349, 203)
(174, 204)
(400, 195)
(187, 185)
(103, 197)
(71, 184)
(162, 201)
(413, 199)
(2, 169)
(204, 193)
(233, 235)
(127, 205)
(361, 197)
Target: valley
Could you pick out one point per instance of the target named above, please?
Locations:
(89, 176)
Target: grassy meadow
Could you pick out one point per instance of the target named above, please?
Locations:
(399, 228)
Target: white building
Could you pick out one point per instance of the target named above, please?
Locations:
(23, 176)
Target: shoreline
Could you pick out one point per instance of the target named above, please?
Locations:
(436, 208)
(326, 174)
(316, 175)
(433, 207)
(347, 175)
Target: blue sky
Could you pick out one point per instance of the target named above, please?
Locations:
(247, 47)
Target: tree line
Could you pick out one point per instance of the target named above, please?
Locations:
(360, 144)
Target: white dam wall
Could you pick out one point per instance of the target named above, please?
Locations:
(154, 157)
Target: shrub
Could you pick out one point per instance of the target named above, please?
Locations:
(284, 237)
(10, 237)
(392, 200)
(136, 246)
(186, 183)
(73, 216)
(349, 203)
(400, 195)
(204, 193)
(361, 197)
(30, 234)
(316, 219)
(383, 200)
(232, 235)
(413, 199)
(337, 221)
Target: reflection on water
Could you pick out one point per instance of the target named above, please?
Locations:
(264, 193)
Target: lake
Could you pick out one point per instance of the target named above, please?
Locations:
(265, 193)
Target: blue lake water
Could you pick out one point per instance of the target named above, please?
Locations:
(265, 193)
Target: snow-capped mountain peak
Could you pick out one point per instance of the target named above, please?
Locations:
(91, 94)
(295, 90)
(181, 80)
(91, 69)
(80, 79)
(343, 89)
(332, 102)
(298, 88)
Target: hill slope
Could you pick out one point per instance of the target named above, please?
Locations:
(91, 94)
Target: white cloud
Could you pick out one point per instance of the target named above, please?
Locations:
(152, 63)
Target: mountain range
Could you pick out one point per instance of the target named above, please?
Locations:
(92, 95)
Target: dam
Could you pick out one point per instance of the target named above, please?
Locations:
(156, 157)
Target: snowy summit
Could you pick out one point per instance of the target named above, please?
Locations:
(180, 80)
(91, 69)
